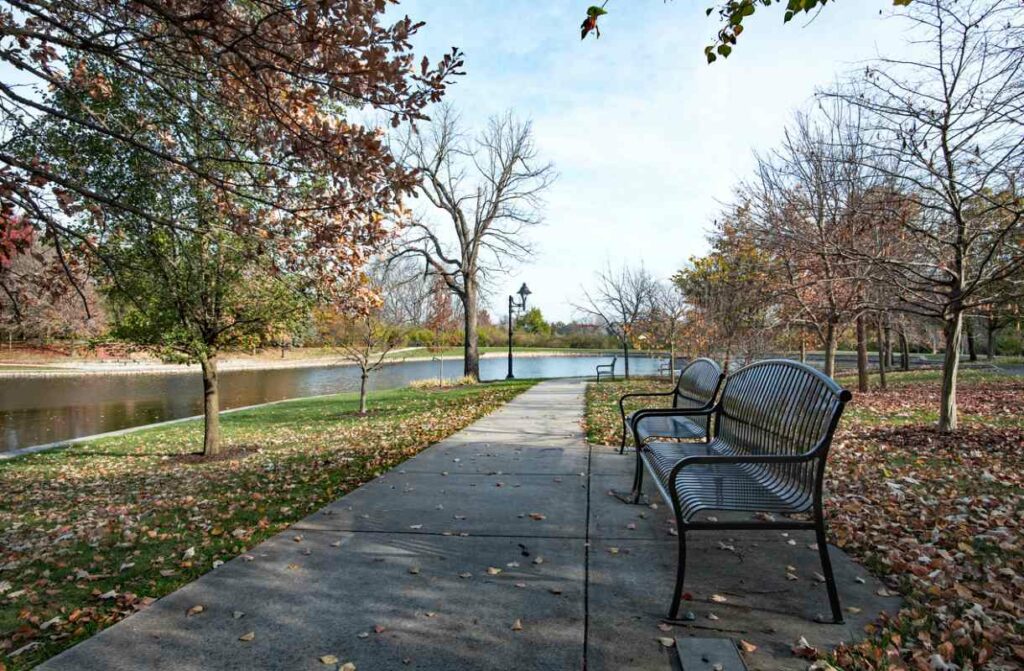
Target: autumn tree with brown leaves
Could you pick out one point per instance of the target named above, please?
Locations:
(283, 72)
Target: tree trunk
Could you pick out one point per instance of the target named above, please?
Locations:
(881, 353)
(904, 351)
(803, 348)
(471, 349)
(830, 350)
(887, 331)
(362, 392)
(990, 338)
(211, 406)
(953, 332)
(625, 357)
(672, 361)
(972, 351)
(862, 355)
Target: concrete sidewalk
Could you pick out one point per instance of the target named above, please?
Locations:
(404, 572)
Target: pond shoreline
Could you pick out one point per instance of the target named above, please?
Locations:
(66, 370)
(70, 442)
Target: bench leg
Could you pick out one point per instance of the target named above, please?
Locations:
(677, 594)
(622, 447)
(638, 478)
(826, 569)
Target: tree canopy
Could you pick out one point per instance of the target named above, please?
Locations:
(731, 15)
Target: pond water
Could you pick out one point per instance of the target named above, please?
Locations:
(34, 411)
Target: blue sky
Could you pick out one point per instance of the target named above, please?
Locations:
(647, 138)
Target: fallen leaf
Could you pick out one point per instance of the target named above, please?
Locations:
(328, 659)
(517, 625)
(747, 646)
(804, 649)
(248, 636)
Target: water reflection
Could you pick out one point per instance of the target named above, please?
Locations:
(34, 411)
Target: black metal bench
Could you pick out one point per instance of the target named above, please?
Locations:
(773, 427)
(606, 369)
(696, 389)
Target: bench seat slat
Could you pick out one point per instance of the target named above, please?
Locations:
(736, 487)
(682, 428)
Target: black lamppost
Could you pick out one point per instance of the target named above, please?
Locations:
(523, 292)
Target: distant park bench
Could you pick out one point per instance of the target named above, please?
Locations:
(772, 430)
(606, 369)
(696, 389)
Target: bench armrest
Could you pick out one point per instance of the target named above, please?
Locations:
(670, 412)
(741, 459)
(640, 394)
(675, 412)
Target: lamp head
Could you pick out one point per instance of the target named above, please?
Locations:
(523, 292)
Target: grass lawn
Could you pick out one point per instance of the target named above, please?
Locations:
(939, 518)
(90, 534)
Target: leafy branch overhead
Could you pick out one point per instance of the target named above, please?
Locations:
(731, 13)
(590, 23)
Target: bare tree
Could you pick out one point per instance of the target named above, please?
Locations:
(484, 191)
(946, 128)
(409, 292)
(620, 300)
(810, 203)
(366, 336)
(667, 318)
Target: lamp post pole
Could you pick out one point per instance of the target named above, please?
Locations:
(511, 305)
(523, 292)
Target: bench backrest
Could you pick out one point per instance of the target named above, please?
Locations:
(697, 387)
(781, 407)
